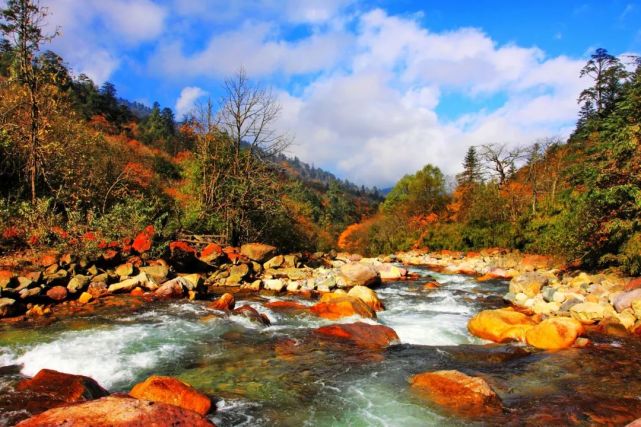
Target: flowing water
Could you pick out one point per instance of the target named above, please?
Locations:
(282, 375)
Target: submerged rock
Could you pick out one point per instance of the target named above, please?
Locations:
(118, 411)
(174, 288)
(500, 325)
(252, 314)
(457, 392)
(173, 392)
(225, 303)
(362, 334)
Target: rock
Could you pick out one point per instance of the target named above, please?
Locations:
(355, 274)
(554, 333)
(274, 285)
(28, 293)
(57, 293)
(293, 286)
(390, 272)
(129, 284)
(431, 285)
(225, 303)
(97, 289)
(137, 292)
(285, 306)
(587, 312)
(536, 262)
(24, 283)
(57, 386)
(212, 253)
(343, 306)
(500, 325)
(253, 315)
(528, 283)
(635, 423)
(48, 260)
(547, 308)
(192, 281)
(368, 296)
(7, 306)
(276, 262)
(144, 240)
(173, 288)
(258, 252)
(625, 299)
(183, 257)
(291, 261)
(57, 278)
(173, 392)
(78, 283)
(236, 274)
(85, 297)
(633, 284)
(457, 392)
(158, 272)
(362, 334)
(125, 270)
(118, 411)
(7, 279)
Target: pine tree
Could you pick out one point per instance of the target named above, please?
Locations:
(471, 168)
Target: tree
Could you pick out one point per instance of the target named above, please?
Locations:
(471, 168)
(608, 73)
(23, 21)
(499, 160)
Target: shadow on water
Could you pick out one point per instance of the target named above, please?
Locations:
(285, 375)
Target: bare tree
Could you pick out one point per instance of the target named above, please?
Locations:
(500, 161)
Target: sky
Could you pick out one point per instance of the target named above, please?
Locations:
(369, 90)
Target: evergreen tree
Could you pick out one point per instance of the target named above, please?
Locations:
(471, 168)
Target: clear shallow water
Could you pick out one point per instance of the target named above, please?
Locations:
(284, 376)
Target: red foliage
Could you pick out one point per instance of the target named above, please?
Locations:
(89, 236)
(182, 247)
(58, 231)
(143, 241)
(139, 174)
(12, 233)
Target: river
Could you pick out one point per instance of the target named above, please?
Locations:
(282, 376)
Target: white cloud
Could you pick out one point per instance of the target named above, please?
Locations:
(187, 99)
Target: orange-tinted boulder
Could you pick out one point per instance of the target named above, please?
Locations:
(211, 253)
(144, 240)
(285, 305)
(118, 411)
(57, 293)
(431, 285)
(171, 289)
(495, 274)
(225, 302)
(368, 296)
(500, 325)
(343, 306)
(633, 284)
(554, 333)
(58, 386)
(173, 392)
(48, 260)
(536, 262)
(252, 314)
(362, 334)
(457, 392)
(137, 292)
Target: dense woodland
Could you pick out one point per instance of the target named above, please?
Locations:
(80, 168)
(580, 199)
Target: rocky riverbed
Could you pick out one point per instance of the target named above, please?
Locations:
(319, 339)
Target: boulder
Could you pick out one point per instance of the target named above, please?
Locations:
(536, 262)
(128, 285)
(357, 274)
(58, 387)
(28, 293)
(57, 293)
(368, 296)
(528, 283)
(633, 284)
(212, 253)
(496, 274)
(500, 325)
(118, 411)
(157, 272)
(183, 257)
(362, 334)
(57, 278)
(253, 315)
(588, 312)
(554, 333)
(276, 262)
(343, 306)
(274, 285)
(390, 272)
(85, 297)
(626, 299)
(258, 252)
(144, 240)
(7, 306)
(457, 392)
(124, 270)
(97, 289)
(191, 282)
(174, 288)
(285, 306)
(7, 279)
(173, 392)
(78, 283)
(236, 274)
(225, 303)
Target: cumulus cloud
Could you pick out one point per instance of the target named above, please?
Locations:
(187, 99)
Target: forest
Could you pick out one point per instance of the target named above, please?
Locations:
(81, 168)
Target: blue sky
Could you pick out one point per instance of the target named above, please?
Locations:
(369, 90)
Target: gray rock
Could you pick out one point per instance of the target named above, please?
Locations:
(626, 299)
(78, 283)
